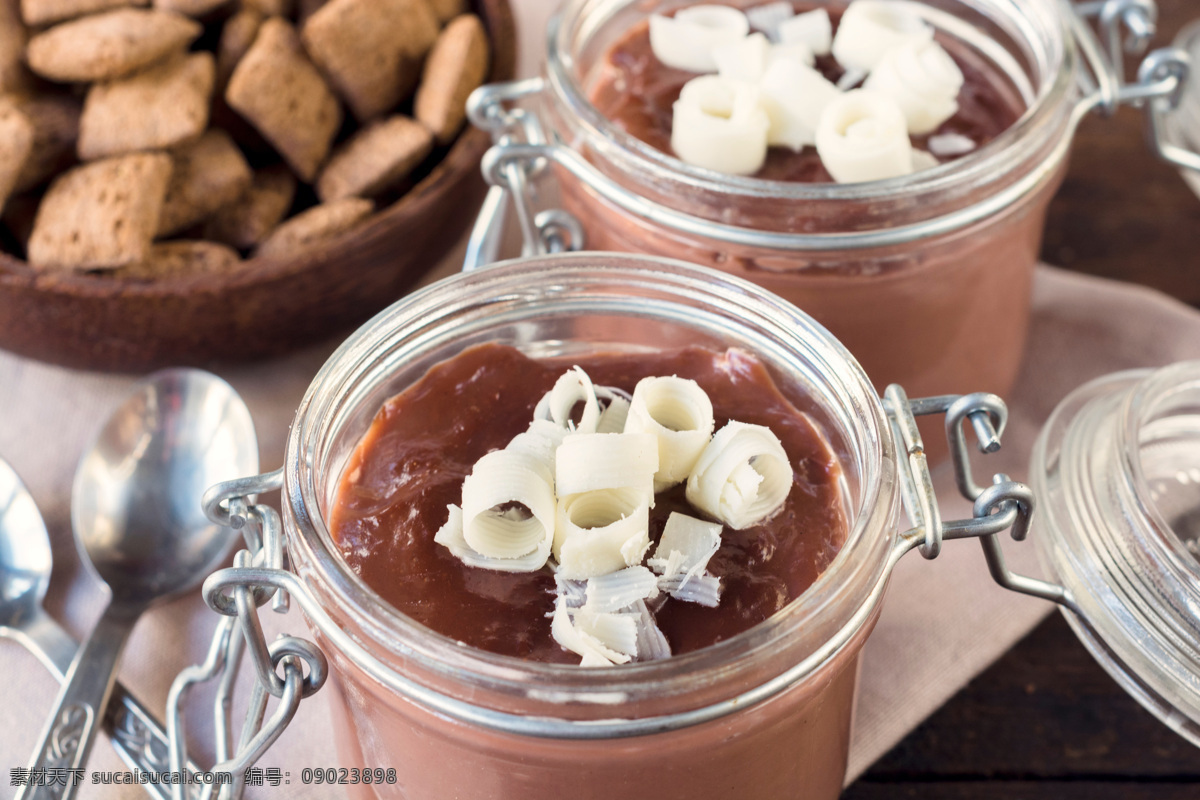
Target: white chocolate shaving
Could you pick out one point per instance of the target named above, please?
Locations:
(922, 160)
(767, 18)
(586, 462)
(791, 52)
(616, 407)
(686, 40)
(743, 477)
(719, 124)
(812, 28)
(651, 643)
(794, 96)
(679, 414)
(557, 405)
(862, 136)
(602, 531)
(870, 28)
(686, 545)
(850, 78)
(593, 651)
(612, 592)
(702, 589)
(451, 537)
(923, 80)
(500, 480)
(744, 59)
(948, 145)
(616, 632)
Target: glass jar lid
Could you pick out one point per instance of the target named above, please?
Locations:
(1117, 474)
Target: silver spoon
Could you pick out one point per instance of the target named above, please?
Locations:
(25, 562)
(135, 510)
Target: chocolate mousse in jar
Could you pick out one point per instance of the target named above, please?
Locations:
(450, 673)
(917, 268)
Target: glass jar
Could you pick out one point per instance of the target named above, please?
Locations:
(1117, 472)
(802, 661)
(912, 274)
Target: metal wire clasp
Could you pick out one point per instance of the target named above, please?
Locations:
(1004, 505)
(494, 108)
(246, 587)
(1123, 27)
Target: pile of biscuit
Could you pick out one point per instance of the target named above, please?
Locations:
(149, 141)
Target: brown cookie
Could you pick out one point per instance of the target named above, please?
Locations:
(237, 34)
(110, 45)
(164, 106)
(196, 9)
(270, 8)
(371, 49)
(315, 225)
(182, 259)
(251, 219)
(446, 10)
(14, 77)
(55, 119)
(278, 90)
(208, 175)
(456, 67)
(47, 12)
(101, 215)
(16, 143)
(374, 159)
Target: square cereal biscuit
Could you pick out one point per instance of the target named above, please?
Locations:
(371, 49)
(182, 259)
(237, 34)
(55, 120)
(16, 143)
(375, 158)
(209, 174)
(101, 215)
(46, 12)
(257, 212)
(164, 106)
(317, 224)
(279, 91)
(455, 68)
(107, 46)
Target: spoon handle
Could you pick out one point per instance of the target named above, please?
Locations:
(72, 727)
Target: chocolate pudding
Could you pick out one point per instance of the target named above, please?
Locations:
(636, 91)
(941, 310)
(412, 461)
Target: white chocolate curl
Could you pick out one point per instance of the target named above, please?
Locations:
(686, 545)
(862, 136)
(573, 386)
(870, 28)
(743, 477)
(812, 28)
(719, 124)
(923, 80)
(794, 96)
(508, 506)
(744, 59)
(451, 537)
(679, 415)
(586, 462)
(686, 40)
(601, 532)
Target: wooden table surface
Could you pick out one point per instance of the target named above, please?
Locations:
(1046, 721)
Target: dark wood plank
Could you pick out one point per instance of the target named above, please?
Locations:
(1046, 710)
(1122, 213)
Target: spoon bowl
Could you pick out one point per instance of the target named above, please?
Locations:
(25, 557)
(135, 504)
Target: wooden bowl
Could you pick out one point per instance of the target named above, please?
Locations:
(270, 306)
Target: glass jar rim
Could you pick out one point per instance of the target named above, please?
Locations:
(996, 158)
(861, 566)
